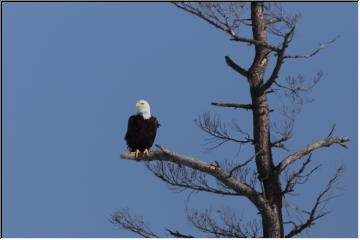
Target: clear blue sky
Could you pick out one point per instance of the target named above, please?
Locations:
(72, 73)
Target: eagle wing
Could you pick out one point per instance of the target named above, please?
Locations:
(132, 129)
(153, 129)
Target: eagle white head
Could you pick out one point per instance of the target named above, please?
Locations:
(143, 109)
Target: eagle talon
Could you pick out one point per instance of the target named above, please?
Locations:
(146, 152)
(137, 152)
(212, 166)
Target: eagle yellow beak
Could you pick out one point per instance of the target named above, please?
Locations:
(137, 104)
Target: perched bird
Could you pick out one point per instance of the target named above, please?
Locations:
(141, 130)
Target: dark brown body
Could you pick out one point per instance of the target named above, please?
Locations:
(141, 132)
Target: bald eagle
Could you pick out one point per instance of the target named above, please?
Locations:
(141, 130)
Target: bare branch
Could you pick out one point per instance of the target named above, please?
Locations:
(182, 178)
(294, 84)
(273, 20)
(293, 96)
(213, 13)
(285, 130)
(332, 130)
(297, 177)
(236, 67)
(318, 209)
(255, 42)
(244, 173)
(225, 17)
(132, 223)
(278, 22)
(322, 46)
(221, 175)
(218, 131)
(243, 164)
(197, 12)
(235, 126)
(233, 105)
(279, 143)
(230, 227)
(279, 60)
(178, 235)
(327, 142)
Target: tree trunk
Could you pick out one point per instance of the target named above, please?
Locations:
(268, 176)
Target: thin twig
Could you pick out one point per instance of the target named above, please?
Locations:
(322, 46)
(332, 130)
(244, 163)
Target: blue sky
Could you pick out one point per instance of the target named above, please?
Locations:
(72, 73)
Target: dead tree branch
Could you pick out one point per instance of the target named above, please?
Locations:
(213, 13)
(218, 131)
(132, 223)
(182, 178)
(177, 234)
(244, 173)
(221, 175)
(294, 84)
(279, 60)
(318, 209)
(332, 130)
(327, 142)
(233, 105)
(292, 95)
(236, 67)
(278, 21)
(298, 177)
(255, 42)
(136, 224)
(242, 164)
(322, 46)
(229, 227)
(279, 143)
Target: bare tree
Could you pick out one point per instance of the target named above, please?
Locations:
(260, 183)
